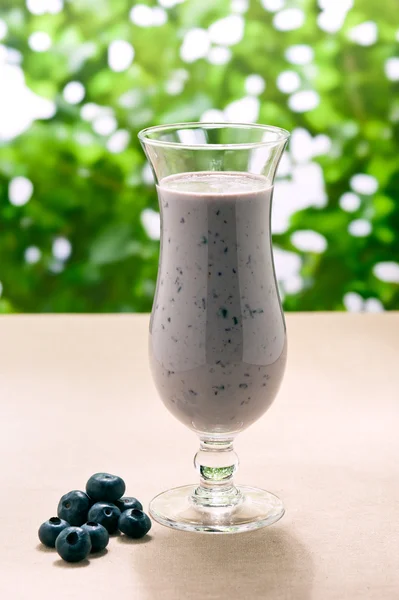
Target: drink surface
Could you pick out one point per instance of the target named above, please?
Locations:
(217, 333)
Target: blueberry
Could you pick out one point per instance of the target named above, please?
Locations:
(74, 507)
(99, 536)
(106, 514)
(103, 487)
(73, 544)
(50, 530)
(128, 502)
(134, 523)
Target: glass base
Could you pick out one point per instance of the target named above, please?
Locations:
(176, 508)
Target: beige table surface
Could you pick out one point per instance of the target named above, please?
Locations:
(76, 397)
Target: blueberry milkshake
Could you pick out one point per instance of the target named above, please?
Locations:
(217, 332)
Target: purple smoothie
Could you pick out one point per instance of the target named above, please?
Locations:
(217, 332)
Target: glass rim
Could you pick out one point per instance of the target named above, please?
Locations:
(282, 135)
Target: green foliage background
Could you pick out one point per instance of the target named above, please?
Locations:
(95, 198)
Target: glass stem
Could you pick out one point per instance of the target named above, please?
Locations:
(216, 463)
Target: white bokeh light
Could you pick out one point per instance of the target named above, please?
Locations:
(41, 7)
(36, 7)
(195, 45)
(387, 271)
(305, 188)
(56, 267)
(62, 248)
(213, 115)
(120, 55)
(19, 106)
(54, 6)
(141, 15)
(219, 55)
(74, 92)
(118, 141)
(255, 85)
(285, 165)
(308, 181)
(333, 14)
(391, 68)
(293, 284)
(173, 87)
(145, 16)
(159, 16)
(90, 111)
(364, 184)
(349, 202)
(32, 255)
(331, 22)
(288, 264)
(373, 305)
(10, 56)
(227, 31)
(1, 289)
(3, 29)
(151, 221)
(300, 54)
(39, 41)
(191, 136)
(303, 101)
(303, 147)
(365, 34)
(322, 144)
(105, 124)
(273, 5)
(20, 190)
(239, 6)
(288, 82)
(147, 174)
(360, 228)
(353, 302)
(245, 110)
(308, 240)
(289, 19)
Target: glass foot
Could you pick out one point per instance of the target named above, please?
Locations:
(256, 508)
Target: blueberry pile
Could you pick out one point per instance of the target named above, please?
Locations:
(85, 520)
